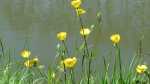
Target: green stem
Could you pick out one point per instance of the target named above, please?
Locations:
(72, 76)
(83, 58)
(148, 75)
(62, 58)
(82, 27)
(66, 49)
(86, 49)
(2, 47)
(120, 63)
(114, 69)
(89, 73)
(106, 70)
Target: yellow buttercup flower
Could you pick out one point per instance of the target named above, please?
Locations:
(31, 63)
(115, 38)
(76, 3)
(80, 11)
(70, 62)
(35, 61)
(141, 69)
(62, 36)
(25, 53)
(85, 31)
(28, 63)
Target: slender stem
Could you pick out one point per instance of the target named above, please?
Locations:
(89, 73)
(120, 64)
(140, 48)
(148, 75)
(87, 52)
(83, 58)
(65, 73)
(66, 49)
(86, 49)
(72, 76)
(2, 47)
(62, 58)
(114, 68)
(105, 69)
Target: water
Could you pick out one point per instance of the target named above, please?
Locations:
(36, 23)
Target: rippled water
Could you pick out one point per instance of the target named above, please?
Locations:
(36, 22)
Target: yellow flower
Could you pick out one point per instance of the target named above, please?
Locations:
(115, 38)
(76, 3)
(141, 69)
(25, 53)
(28, 63)
(80, 11)
(85, 31)
(35, 61)
(31, 63)
(70, 62)
(62, 36)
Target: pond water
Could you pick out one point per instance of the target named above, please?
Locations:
(35, 23)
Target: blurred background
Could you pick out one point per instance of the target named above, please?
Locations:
(34, 24)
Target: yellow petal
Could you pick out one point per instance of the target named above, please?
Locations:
(76, 3)
(25, 53)
(35, 61)
(28, 63)
(115, 38)
(80, 11)
(62, 36)
(85, 31)
(31, 63)
(141, 69)
(70, 62)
